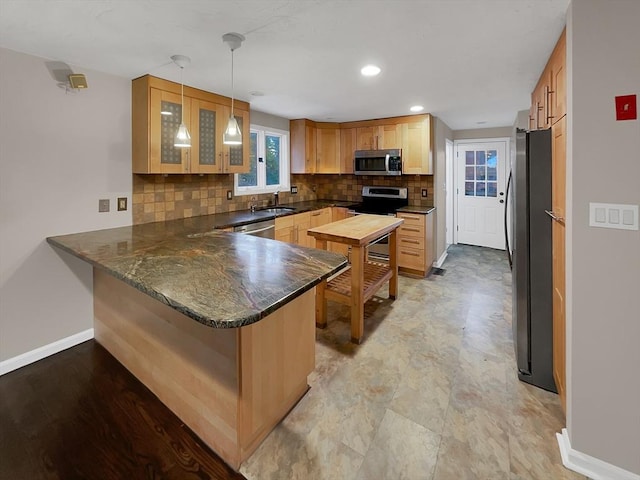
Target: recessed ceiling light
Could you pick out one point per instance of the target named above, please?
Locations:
(417, 108)
(370, 70)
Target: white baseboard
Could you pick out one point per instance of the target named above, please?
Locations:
(587, 465)
(441, 260)
(39, 353)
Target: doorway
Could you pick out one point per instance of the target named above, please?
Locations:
(480, 179)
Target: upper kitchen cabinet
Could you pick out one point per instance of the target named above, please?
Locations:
(416, 146)
(549, 98)
(347, 149)
(303, 146)
(378, 137)
(156, 116)
(327, 148)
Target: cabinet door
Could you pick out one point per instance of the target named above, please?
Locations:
(416, 148)
(347, 149)
(389, 136)
(206, 142)
(235, 158)
(559, 80)
(365, 138)
(166, 116)
(328, 150)
(302, 225)
(302, 146)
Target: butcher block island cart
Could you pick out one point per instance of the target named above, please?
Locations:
(220, 326)
(362, 280)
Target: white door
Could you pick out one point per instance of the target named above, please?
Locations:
(449, 188)
(481, 180)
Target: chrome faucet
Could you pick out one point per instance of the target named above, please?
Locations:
(275, 199)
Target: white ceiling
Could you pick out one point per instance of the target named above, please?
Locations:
(465, 61)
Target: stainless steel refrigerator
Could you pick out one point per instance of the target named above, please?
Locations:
(530, 256)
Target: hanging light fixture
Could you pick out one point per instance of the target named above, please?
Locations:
(182, 139)
(232, 135)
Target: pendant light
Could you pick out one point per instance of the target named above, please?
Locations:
(232, 135)
(182, 139)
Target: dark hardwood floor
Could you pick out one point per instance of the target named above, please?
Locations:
(81, 415)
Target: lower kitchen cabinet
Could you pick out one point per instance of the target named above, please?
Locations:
(415, 243)
(293, 229)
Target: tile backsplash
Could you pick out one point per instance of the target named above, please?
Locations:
(159, 197)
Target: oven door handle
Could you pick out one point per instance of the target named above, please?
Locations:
(386, 163)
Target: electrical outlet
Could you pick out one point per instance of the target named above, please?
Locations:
(122, 204)
(229, 195)
(294, 189)
(424, 192)
(103, 205)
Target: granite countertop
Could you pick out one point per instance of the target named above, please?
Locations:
(220, 279)
(416, 209)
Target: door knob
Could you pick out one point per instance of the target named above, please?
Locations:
(501, 201)
(501, 193)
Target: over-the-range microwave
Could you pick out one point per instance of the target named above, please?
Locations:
(378, 162)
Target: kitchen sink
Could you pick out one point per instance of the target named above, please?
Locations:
(276, 209)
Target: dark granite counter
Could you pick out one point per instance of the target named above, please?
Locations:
(244, 217)
(219, 279)
(416, 209)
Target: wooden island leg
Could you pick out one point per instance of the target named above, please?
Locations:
(393, 265)
(357, 293)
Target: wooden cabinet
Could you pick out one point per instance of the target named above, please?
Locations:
(415, 243)
(378, 137)
(303, 146)
(156, 116)
(328, 149)
(293, 229)
(549, 98)
(347, 149)
(417, 156)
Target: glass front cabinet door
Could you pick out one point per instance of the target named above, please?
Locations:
(205, 137)
(166, 116)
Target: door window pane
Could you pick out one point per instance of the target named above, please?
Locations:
(481, 173)
(480, 189)
(469, 189)
(480, 157)
(251, 179)
(492, 189)
(469, 173)
(169, 123)
(492, 158)
(469, 160)
(207, 153)
(492, 173)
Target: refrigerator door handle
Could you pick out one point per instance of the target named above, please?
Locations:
(506, 226)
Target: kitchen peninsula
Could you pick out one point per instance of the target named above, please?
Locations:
(220, 326)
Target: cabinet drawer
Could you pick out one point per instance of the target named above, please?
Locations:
(411, 258)
(411, 219)
(411, 242)
(411, 231)
(284, 222)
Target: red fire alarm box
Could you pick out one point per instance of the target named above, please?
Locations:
(626, 108)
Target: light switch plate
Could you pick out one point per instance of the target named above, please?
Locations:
(613, 215)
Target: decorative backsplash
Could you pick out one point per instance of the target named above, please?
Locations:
(158, 197)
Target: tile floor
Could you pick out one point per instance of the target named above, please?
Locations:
(431, 393)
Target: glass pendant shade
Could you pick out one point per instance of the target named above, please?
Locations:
(183, 139)
(232, 135)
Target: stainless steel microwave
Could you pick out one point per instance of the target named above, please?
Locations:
(378, 162)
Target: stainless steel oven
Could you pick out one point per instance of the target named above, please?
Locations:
(380, 201)
(264, 229)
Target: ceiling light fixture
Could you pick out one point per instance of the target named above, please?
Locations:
(417, 108)
(370, 70)
(232, 135)
(182, 139)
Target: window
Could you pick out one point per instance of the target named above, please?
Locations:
(268, 163)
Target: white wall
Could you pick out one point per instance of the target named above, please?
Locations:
(59, 154)
(441, 133)
(268, 120)
(603, 265)
(495, 132)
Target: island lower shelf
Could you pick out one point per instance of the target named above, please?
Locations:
(230, 386)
